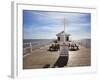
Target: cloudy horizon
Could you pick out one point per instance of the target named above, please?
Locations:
(45, 25)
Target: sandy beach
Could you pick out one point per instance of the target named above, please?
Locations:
(41, 57)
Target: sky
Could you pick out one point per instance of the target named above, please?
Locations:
(45, 25)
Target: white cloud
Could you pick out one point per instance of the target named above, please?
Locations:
(55, 24)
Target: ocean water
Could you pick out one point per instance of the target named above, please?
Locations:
(40, 42)
(35, 42)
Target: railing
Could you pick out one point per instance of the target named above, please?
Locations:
(30, 48)
(27, 49)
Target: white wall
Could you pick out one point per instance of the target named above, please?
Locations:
(5, 38)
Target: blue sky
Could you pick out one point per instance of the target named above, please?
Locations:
(45, 25)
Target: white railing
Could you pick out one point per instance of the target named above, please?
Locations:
(27, 49)
(30, 48)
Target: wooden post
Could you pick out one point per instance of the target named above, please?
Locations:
(30, 47)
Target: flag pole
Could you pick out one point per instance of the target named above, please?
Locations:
(64, 30)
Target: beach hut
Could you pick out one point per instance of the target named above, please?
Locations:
(60, 36)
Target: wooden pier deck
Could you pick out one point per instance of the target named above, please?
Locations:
(41, 57)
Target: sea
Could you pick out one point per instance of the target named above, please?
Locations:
(40, 42)
(36, 42)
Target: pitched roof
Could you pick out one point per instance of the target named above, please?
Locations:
(62, 32)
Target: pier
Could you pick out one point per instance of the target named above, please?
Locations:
(40, 57)
(46, 56)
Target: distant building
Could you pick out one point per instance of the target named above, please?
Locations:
(60, 36)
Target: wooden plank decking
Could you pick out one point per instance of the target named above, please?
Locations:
(41, 57)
